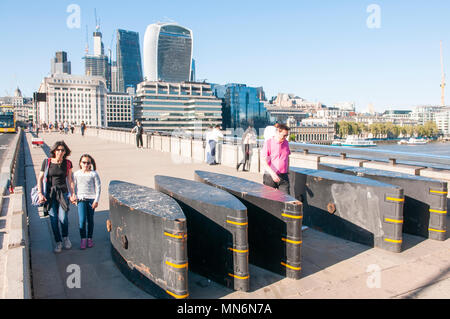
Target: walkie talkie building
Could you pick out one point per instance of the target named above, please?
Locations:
(168, 51)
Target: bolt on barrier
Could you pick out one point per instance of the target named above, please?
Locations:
(217, 230)
(149, 239)
(351, 207)
(275, 222)
(425, 209)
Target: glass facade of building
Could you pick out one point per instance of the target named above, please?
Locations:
(174, 54)
(129, 65)
(166, 106)
(241, 105)
(98, 66)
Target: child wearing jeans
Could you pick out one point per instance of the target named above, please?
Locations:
(87, 190)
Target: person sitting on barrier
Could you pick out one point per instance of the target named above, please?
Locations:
(54, 192)
(87, 190)
(275, 154)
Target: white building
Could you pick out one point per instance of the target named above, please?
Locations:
(423, 114)
(73, 98)
(442, 120)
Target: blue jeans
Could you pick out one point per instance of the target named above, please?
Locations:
(86, 214)
(58, 214)
(211, 155)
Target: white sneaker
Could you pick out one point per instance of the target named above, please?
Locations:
(58, 247)
(67, 243)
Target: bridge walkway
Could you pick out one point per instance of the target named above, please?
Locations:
(332, 267)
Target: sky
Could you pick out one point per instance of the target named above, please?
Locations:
(384, 53)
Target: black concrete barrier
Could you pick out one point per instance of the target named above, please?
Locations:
(148, 237)
(425, 209)
(275, 222)
(351, 207)
(217, 230)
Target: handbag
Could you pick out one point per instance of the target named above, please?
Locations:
(35, 190)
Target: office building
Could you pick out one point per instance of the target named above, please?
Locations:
(73, 98)
(442, 119)
(119, 110)
(423, 114)
(193, 76)
(241, 105)
(313, 133)
(129, 66)
(168, 51)
(165, 106)
(97, 64)
(60, 65)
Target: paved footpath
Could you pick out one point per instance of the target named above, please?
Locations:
(331, 267)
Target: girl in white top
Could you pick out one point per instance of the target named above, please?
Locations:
(87, 190)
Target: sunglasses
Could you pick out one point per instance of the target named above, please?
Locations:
(60, 150)
(87, 163)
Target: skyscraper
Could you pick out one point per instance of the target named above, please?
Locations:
(168, 51)
(98, 64)
(129, 66)
(242, 105)
(59, 64)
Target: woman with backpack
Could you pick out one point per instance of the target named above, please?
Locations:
(54, 192)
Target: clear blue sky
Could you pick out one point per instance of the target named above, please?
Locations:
(319, 50)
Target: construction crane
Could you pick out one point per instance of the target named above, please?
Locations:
(442, 80)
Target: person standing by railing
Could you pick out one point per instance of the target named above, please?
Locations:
(248, 140)
(275, 161)
(139, 130)
(212, 138)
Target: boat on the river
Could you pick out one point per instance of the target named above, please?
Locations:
(354, 141)
(417, 141)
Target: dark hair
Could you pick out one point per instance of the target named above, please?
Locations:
(283, 127)
(94, 166)
(58, 144)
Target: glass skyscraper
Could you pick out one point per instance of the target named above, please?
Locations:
(167, 53)
(129, 66)
(242, 105)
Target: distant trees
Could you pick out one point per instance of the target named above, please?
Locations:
(387, 129)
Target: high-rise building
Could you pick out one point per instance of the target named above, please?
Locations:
(98, 63)
(193, 71)
(60, 65)
(168, 51)
(129, 66)
(242, 105)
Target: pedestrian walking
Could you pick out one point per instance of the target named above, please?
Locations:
(87, 190)
(54, 192)
(37, 129)
(66, 127)
(212, 138)
(83, 128)
(248, 140)
(72, 127)
(139, 130)
(275, 161)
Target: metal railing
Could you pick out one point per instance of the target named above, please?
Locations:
(426, 160)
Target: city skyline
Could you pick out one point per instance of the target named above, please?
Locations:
(387, 54)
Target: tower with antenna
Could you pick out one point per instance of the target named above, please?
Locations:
(442, 79)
